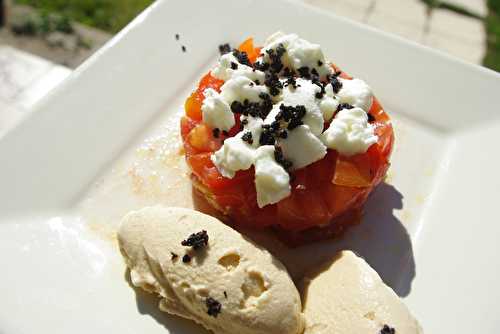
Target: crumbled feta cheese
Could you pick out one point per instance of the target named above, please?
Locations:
(272, 182)
(349, 132)
(224, 70)
(241, 89)
(356, 92)
(328, 107)
(302, 147)
(300, 53)
(233, 156)
(329, 104)
(304, 95)
(237, 154)
(216, 112)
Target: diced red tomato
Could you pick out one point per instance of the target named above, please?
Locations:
(330, 192)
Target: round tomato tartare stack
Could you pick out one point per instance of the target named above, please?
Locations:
(279, 137)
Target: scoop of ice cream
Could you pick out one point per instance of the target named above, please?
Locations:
(347, 296)
(215, 277)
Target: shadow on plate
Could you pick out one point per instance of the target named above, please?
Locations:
(381, 239)
(147, 304)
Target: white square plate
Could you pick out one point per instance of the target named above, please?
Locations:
(84, 158)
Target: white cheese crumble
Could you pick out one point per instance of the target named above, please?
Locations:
(237, 154)
(304, 95)
(300, 53)
(356, 92)
(329, 104)
(216, 112)
(272, 181)
(241, 88)
(350, 133)
(302, 147)
(223, 70)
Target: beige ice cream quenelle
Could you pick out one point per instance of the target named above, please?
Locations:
(226, 283)
(347, 296)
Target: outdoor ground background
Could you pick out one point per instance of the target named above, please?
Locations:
(112, 15)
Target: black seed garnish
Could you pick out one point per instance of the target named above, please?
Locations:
(387, 330)
(273, 83)
(291, 82)
(213, 306)
(247, 136)
(234, 65)
(257, 82)
(314, 72)
(183, 48)
(177, 37)
(216, 132)
(320, 63)
(174, 256)
(336, 84)
(322, 92)
(242, 57)
(292, 115)
(225, 294)
(278, 156)
(344, 106)
(266, 137)
(275, 57)
(288, 73)
(224, 48)
(196, 240)
(304, 72)
(244, 122)
(294, 123)
(186, 258)
(261, 66)
(370, 118)
(283, 134)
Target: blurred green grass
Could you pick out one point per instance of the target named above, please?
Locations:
(492, 25)
(108, 15)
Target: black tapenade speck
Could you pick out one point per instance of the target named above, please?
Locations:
(216, 132)
(174, 256)
(247, 136)
(387, 330)
(266, 137)
(213, 307)
(273, 83)
(225, 294)
(304, 72)
(234, 66)
(370, 118)
(336, 84)
(186, 258)
(224, 48)
(183, 48)
(344, 106)
(280, 159)
(320, 63)
(242, 57)
(196, 240)
(177, 37)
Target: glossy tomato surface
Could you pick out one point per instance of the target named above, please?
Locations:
(328, 193)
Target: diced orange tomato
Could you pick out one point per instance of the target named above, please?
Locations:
(247, 46)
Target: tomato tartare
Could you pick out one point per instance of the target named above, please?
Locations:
(321, 198)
